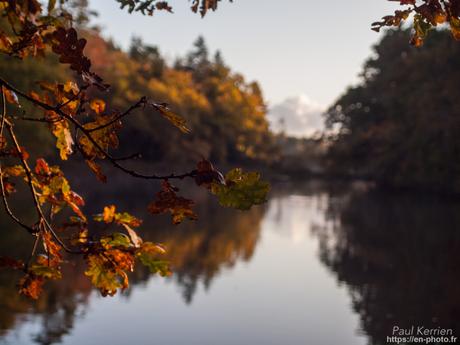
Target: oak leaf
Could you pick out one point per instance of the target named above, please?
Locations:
(241, 190)
(168, 201)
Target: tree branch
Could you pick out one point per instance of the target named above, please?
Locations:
(87, 133)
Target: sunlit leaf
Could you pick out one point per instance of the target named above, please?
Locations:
(241, 190)
(81, 238)
(16, 170)
(172, 117)
(116, 239)
(98, 106)
(61, 130)
(107, 270)
(5, 43)
(102, 276)
(11, 96)
(45, 271)
(104, 134)
(110, 215)
(31, 286)
(135, 239)
(148, 256)
(52, 249)
(42, 167)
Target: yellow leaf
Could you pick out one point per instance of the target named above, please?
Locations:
(109, 214)
(71, 86)
(16, 170)
(172, 117)
(64, 142)
(104, 133)
(102, 277)
(98, 106)
(5, 43)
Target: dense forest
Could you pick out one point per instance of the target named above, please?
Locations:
(385, 128)
(226, 114)
(400, 125)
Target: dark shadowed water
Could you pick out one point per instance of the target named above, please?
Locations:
(318, 264)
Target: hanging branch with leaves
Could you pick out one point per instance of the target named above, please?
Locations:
(426, 15)
(82, 125)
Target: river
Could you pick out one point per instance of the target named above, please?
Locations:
(320, 263)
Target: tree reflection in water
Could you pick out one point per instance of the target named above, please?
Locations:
(197, 251)
(399, 256)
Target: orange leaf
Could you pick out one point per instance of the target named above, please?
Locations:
(98, 106)
(10, 96)
(168, 201)
(52, 248)
(96, 168)
(31, 286)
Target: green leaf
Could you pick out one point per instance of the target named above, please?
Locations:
(148, 256)
(111, 216)
(45, 271)
(155, 266)
(105, 279)
(241, 190)
(51, 5)
(116, 239)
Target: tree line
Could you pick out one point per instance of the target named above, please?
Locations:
(400, 126)
(225, 113)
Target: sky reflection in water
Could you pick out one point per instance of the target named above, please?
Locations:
(317, 266)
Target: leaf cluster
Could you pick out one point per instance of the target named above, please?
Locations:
(83, 124)
(427, 14)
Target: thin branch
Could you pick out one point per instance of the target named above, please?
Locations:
(37, 119)
(87, 133)
(136, 105)
(126, 158)
(2, 183)
(73, 98)
(34, 249)
(33, 191)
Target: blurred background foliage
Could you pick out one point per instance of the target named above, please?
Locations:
(227, 114)
(401, 126)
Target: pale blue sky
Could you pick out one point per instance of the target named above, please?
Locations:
(292, 47)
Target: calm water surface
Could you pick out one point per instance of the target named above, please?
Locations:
(318, 264)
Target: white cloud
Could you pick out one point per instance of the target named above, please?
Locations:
(297, 116)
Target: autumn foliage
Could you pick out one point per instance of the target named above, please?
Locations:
(425, 14)
(83, 125)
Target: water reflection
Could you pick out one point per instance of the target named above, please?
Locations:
(394, 259)
(198, 252)
(399, 256)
